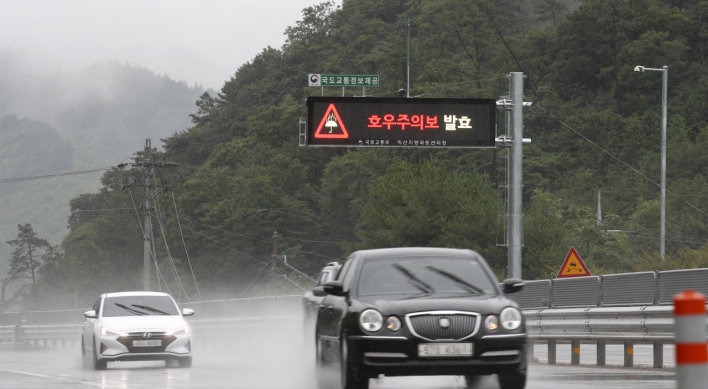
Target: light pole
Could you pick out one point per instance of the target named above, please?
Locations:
(662, 219)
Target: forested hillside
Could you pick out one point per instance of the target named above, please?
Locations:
(594, 124)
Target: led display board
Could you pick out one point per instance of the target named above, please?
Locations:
(400, 122)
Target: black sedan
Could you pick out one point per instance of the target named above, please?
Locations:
(418, 311)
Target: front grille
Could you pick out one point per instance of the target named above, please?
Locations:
(428, 326)
(127, 341)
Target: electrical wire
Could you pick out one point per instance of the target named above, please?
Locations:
(299, 272)
(185, 247)
(162, 230)
(169, 254)
(101, 209)
(69, 150)
(228, 247)
(463, 83)
(256, 239)
(32, 178)
(617, 158)
(312, 241)
(159, 273)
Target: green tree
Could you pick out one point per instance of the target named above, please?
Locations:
(27, 255)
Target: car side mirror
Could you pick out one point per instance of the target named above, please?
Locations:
(90, 314)
(335, 288)
(187, 312)
(319, 291)
(513, 285)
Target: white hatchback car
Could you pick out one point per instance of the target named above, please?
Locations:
(130, 326)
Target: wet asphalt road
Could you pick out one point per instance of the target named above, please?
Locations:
(288, 370)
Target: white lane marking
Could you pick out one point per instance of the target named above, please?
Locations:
(52, 377)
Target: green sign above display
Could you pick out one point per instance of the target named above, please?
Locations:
(363, 80)
(400, 122)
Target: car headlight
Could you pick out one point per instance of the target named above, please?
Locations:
(510, 318)
(180, 331)
(393, 323)
(491, 322)
(371, 320)
(109, 332)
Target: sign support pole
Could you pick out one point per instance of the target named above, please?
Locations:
(516, 93)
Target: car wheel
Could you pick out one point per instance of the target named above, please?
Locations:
(85, 362)
(185, 362)
(349, 379)
(320, 365)
(98, 364)
(473, 381)
(514, 379)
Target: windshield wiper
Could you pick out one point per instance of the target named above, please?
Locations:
(131, 310)
(418, 283)
(469, 287)
(150, 309)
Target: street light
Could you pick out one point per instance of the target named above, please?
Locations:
(664, 85)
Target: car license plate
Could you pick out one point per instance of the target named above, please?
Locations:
(147, 343)
(445, 350)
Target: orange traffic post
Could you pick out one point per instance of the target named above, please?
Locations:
(691, 346)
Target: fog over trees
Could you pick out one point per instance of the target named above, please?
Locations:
(240, 174)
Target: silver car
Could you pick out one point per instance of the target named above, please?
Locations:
(130, 326)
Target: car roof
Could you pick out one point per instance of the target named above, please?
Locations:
(136, 293)
(417, 251)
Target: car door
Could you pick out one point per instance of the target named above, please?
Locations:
(326, 322)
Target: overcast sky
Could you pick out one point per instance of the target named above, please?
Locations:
(202, 41)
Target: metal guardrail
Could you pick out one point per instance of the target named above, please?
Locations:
(618, 308)
(612, 290)
(215, 321)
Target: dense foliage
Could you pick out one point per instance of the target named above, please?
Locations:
(594, 124)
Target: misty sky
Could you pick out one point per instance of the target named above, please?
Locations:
(200, 42)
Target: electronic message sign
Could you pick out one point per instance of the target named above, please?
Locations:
(400, 122)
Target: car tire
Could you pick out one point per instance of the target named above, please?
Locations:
(320, 365)
(472, 381)
(350, 380)
(514, 379)
(185, 362)
(85, 361)
(98, 364)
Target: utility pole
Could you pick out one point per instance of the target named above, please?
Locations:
(150, 189)
(2, 297)
(516, 240)
(273, 271)
(408, 61)
(599, 208)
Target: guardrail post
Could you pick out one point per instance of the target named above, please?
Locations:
(658, 355)
(628, 354)
(691, 347)
(574, 352)
(551, 352)
(529, 350)
(601, 352)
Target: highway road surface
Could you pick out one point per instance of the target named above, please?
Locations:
(276, 367)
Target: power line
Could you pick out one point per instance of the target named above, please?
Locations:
(159, 273)
(69, 150)
(101, 209)
(619, 160)
(32, 178)
(228, 247)
(185, 247)
(259, 240)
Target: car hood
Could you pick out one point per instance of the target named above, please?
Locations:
(399, 305)
(143, 323)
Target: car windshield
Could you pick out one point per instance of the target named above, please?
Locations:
(424, 275)
(139, 306)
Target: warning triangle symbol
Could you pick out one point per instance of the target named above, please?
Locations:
(573, 266)
(331, 126)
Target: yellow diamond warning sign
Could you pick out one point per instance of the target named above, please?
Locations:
(573, 266)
